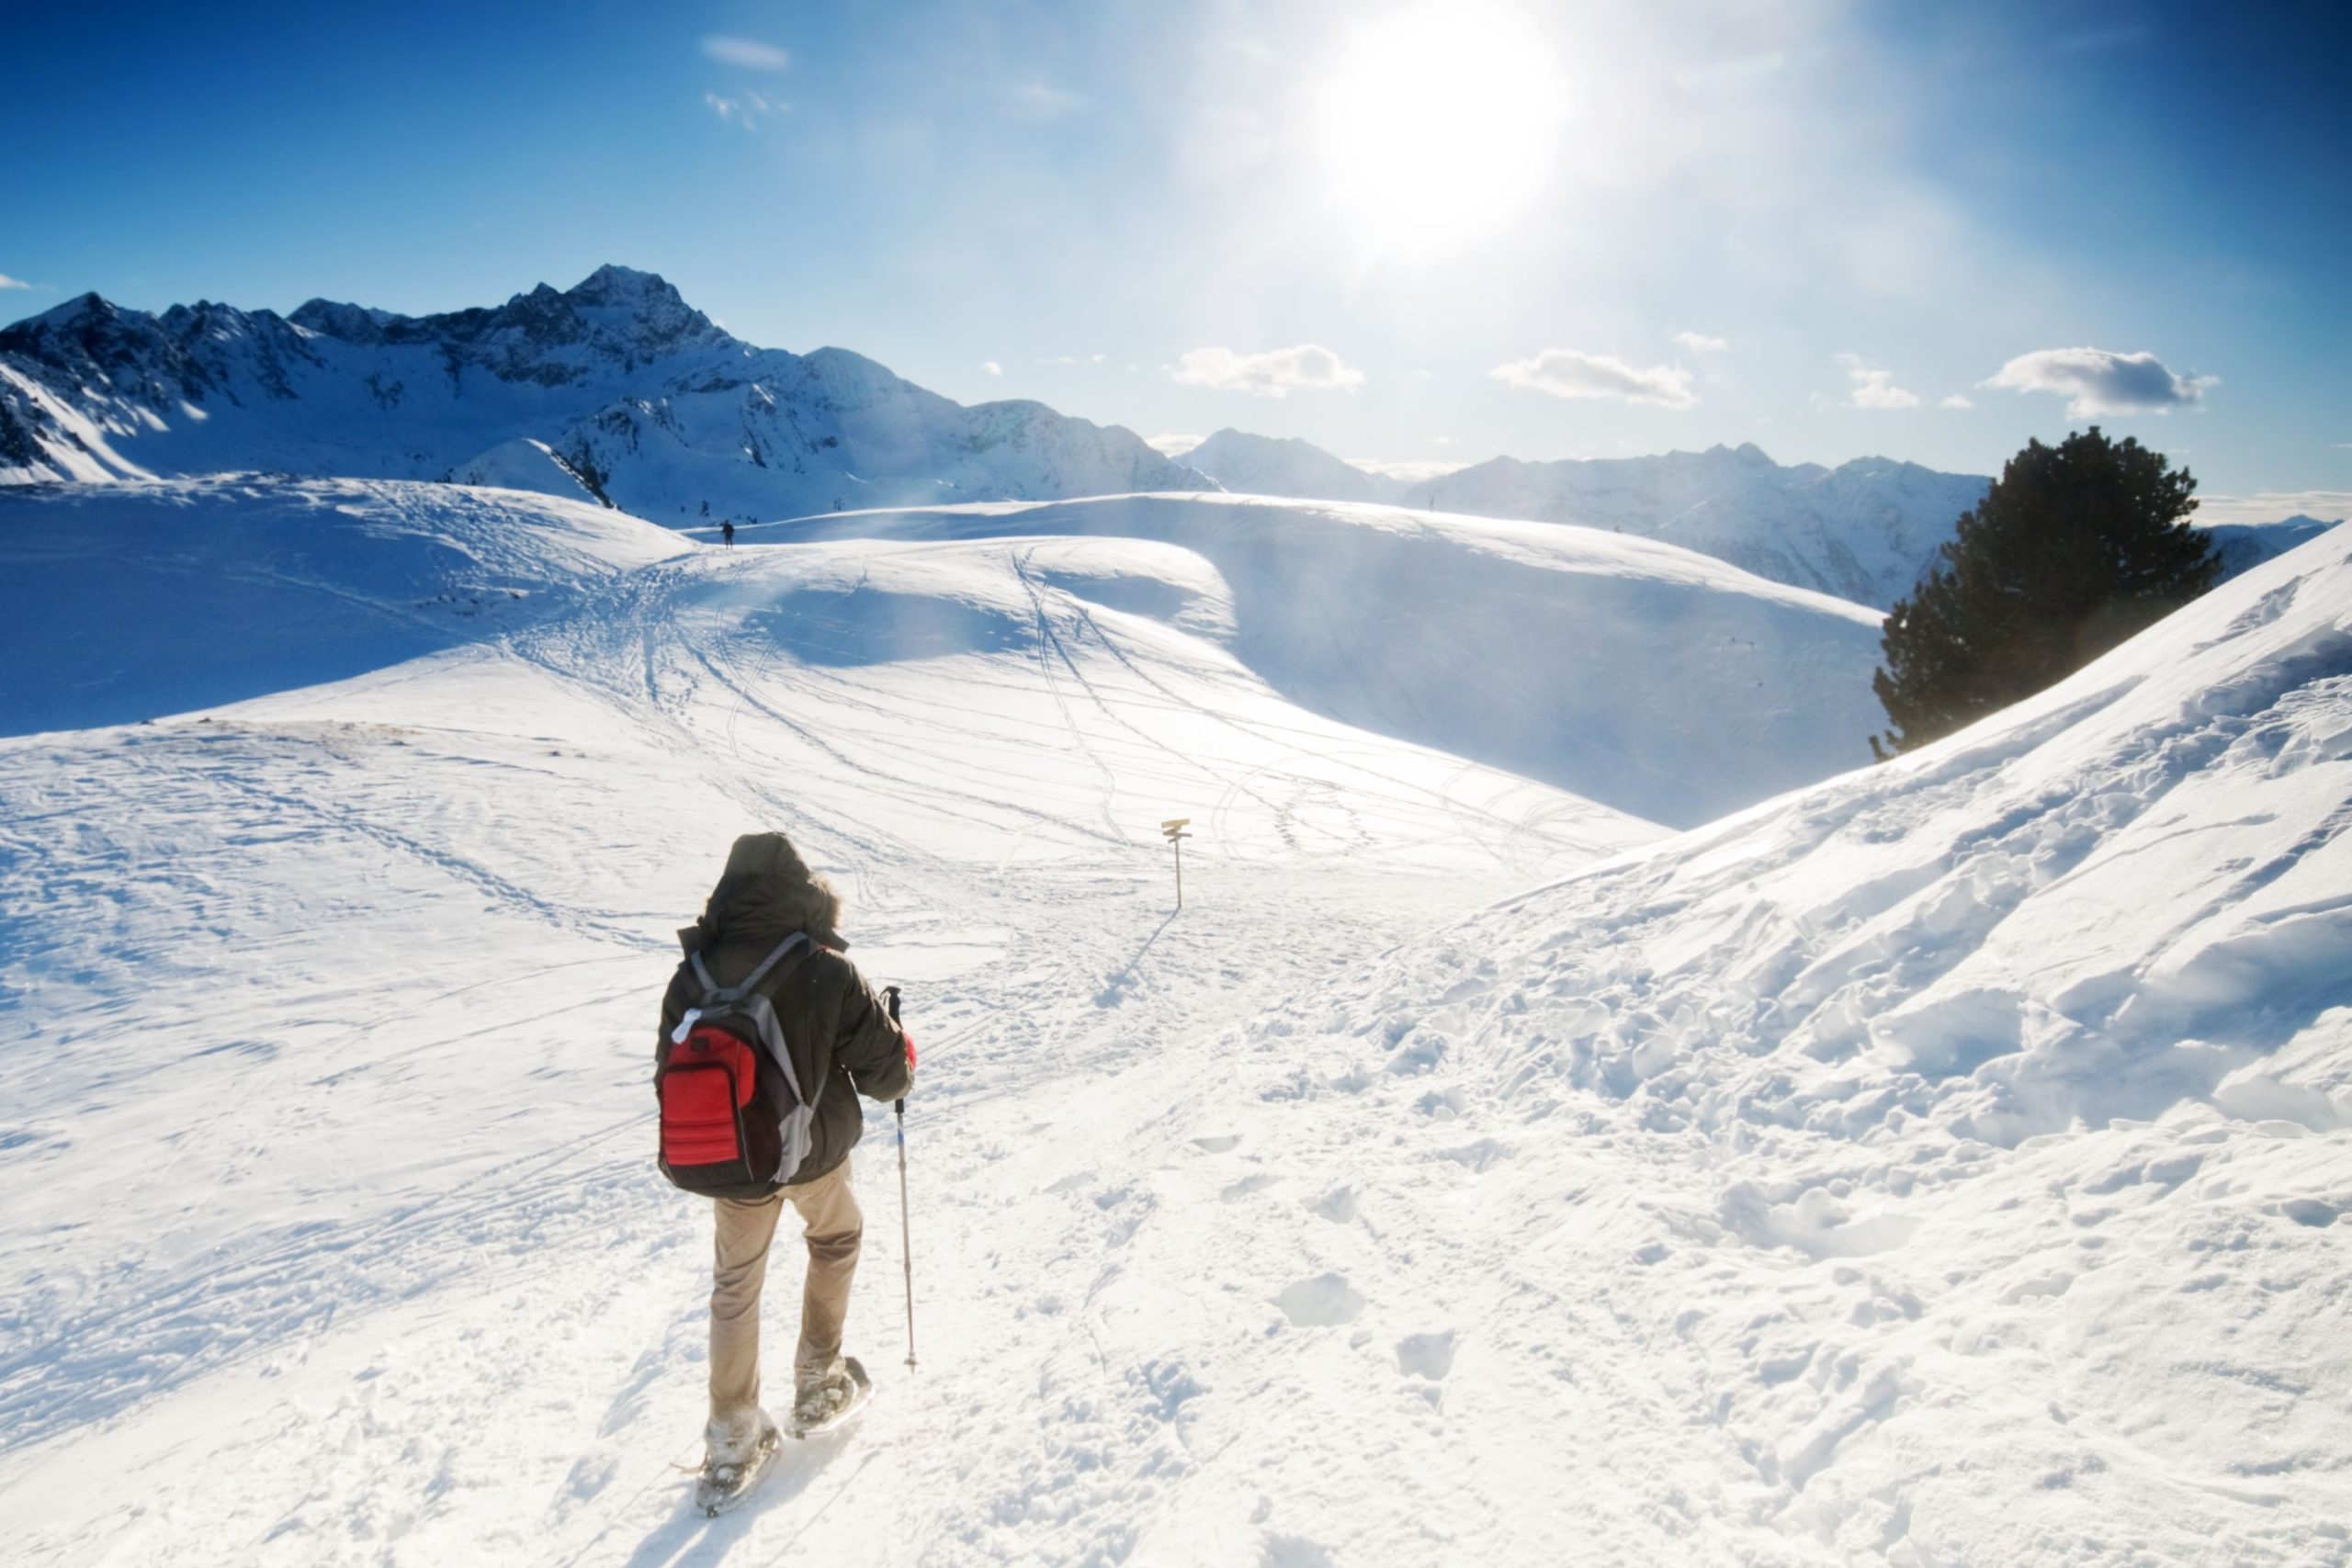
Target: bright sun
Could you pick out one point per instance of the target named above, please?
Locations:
(1437, 124)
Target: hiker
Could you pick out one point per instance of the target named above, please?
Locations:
(842, 1043)
(727, 532)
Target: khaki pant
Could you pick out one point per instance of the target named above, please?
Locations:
(834, 1227)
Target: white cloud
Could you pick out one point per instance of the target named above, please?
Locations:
(749, 53)
(991, 366)
(2099, 380)
(2273, 505)
(1700, 343)
(1410, 469)
(1873, 387)
(1956, 401)
(1075, 359)
(747, 111)
(1308, 367)
(1565, 373)
(1173, 445)
(7, 282)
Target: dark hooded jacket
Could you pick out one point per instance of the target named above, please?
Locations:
(838, 1030)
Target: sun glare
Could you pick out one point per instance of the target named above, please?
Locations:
(1436, 124)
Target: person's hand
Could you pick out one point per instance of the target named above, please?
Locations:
(910, 1049)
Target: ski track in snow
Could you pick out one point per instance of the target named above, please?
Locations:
(1942, 1165)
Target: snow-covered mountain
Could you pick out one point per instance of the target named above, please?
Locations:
(1944, 1163)
(622, 387)
(1266, 465)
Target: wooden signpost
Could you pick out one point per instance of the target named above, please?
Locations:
(1174, 829)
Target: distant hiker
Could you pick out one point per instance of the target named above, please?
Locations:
(727, 532)
(765, 1005)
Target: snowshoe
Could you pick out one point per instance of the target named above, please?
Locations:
(826, 1402)
(727, 1480)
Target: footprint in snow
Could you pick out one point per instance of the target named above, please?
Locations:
(1249, 1184)
(1337, 1206)
(1325, 1301)
(1427, 1355)
(1222, 1143)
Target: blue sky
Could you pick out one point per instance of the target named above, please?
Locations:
(1408, 232)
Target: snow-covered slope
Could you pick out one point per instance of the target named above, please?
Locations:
(127, 603)
(1643, 676)
(1941, 1164)
(641, 396)
(524, 464)
(1265, 465)
(1655, 682)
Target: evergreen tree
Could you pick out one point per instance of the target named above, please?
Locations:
(2074, 549)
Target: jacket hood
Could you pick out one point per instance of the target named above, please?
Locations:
(767, 893)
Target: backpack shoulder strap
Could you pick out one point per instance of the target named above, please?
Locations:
(716, 995)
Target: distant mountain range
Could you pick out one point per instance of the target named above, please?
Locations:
(617, 389)
(1864, 531)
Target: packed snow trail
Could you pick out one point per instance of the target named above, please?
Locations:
(1941, 1165)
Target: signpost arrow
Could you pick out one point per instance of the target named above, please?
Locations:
(1174, 829)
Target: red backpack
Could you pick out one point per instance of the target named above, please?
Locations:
(734, 1120)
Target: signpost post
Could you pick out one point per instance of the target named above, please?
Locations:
(1174, 829)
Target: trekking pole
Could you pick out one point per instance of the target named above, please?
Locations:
(906, 1224)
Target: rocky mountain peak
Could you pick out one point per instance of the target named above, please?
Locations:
(614, 285)
(352, 323)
